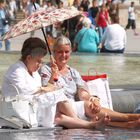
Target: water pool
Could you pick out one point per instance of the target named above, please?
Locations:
(122, 69)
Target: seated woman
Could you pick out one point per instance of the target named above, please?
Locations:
(71, 81)
(24, 75)
(86, 40)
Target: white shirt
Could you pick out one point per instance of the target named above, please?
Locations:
(18, 75)
(131, 13)
(114, 38)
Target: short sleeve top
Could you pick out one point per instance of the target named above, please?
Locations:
(70, 81)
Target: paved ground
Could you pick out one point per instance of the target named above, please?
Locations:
(133, 42)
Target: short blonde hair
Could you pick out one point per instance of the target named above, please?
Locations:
(61, 40)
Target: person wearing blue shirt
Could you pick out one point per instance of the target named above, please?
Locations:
(4, 25)
(86, 40)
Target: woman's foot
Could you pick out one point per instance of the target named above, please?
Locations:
(102, 122)
(134, 124)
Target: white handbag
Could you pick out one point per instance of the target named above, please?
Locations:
(38, 113)
(19, 107)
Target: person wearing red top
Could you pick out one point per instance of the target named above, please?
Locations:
(102, 20)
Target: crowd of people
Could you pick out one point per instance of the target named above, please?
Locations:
(90, 28)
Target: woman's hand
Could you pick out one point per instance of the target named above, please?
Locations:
(44, 90)
(48, 88)
(95, 104)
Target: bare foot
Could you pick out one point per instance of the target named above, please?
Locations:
(102, 122)
(134, 124)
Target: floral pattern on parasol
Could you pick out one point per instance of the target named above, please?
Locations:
(40, 19)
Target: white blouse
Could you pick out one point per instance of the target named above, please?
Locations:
(19, 76)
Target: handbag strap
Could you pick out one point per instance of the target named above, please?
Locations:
(83, 35)
(17, 91)
(17, 97)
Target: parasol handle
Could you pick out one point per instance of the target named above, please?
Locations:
(44, 34)
(46, 40)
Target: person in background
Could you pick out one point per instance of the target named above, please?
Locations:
(102, 20)
(18, 3)
(60, 4)
(44, 4)
(76, 3)
(85, 4)
(13, 9)
(114, 37)
(30, 8)
(38, 1)
(114, 10)
(93, 11)
(86, 40)
(50, 6)
(24, 4)
(73, 85)
(131, 18)
(4, 24)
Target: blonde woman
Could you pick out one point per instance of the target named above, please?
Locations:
(73, 85)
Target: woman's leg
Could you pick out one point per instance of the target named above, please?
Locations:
(66, 117)
(66, 109)
(72, 123)
(117, 119)
(128, 125)
(100, 34)
(117, 116)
